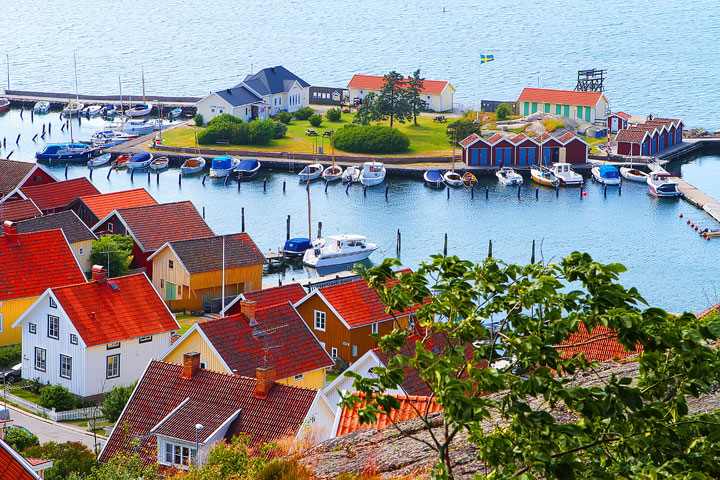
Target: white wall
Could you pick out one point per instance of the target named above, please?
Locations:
(212, 106)
(362, 367)
(318, 424)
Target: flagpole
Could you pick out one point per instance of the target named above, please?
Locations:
(222, 310)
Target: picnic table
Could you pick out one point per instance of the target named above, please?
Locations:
(311, 132)
(328, 133)
(440, 119)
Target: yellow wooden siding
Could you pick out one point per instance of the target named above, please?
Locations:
(314, 379)
(11, 310)
(195, 343)
(84, 258)
(176, 275)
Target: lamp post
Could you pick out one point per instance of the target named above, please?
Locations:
(198, 427)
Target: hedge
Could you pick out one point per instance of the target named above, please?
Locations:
(371, 139)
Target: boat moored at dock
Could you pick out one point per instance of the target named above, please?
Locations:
(310, 172)
(296, 247)
(73, 108)
(433, 178)
(222, 166)
(373, 173)
(140, 160)
(192, 165)
(567, 176)
(453, 179)
(469, 179)
(4, 104)
(606, 175)
(41, 107)
(160, 163)
(66, 151)
(175, 113)
(351, 174)
(99, 161)
(139, 110)
(661, 184)
(508, 176)
(633, 174)
(247, 169)
(338, 250)
(544, 176)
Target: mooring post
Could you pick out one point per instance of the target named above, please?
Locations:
(532, 257)
(227, 180)
(490, 249)
(242, 215)
(203, 213)
(49, 127)
(148, 176)
(557, 191)
(537, 193)
(326, 185)
(33, 139)
(179, 179)
(519, 186)
(264, 184)
(387, 188)
(287, 229)
(364, 190)
(239, 182)
(17, 140)
(91, 170)
(347, 188)
(21, 112)
(448, 193)
(445, 246)
(203, 179)
(157, 177)
(66, 169)
(605, 191)
(132, 174)
(472, 192)
(319, 230)
(487, 192)
(109, 172)
(398, 246)
(581, 191)
(620, 190)
(32, 116)
(283, 186)
(9, 154)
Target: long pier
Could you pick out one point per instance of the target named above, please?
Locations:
(27, 98)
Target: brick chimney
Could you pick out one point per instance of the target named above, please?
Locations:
(247, 308)
(191, 364)
(99, 274)
(10, 231)
(265, 378)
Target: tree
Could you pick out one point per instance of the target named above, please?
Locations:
(112, 252)
(463, 129)
(115, 401)
(68, 458)
(503, 111)
(624, 427)
(368, 111)
(20, 439)
(232, 460)
(391, 103)
(57, 397)
(413, 94)
(120, 467)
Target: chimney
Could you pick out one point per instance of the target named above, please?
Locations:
(265, 378)
(99, 274)
(247, 308)
(10, 231)
(191, 364)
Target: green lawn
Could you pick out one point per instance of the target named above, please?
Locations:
(427, 138)
(186, 321)
(24, 392)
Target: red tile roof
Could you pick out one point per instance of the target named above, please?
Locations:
(631, 135)
(357, 303)
(74, 229)
(373, 82)
(162, 389)
(12, 173)
(469, 140)
(18, 210)
(102, 314)
(566, 137)
(39, 261)
(620, 114)
(291, 347)
(181, 423)
(599, 345)
(713, 309)
(561, 97)
(495, 138)
(519, 138)
(290, 292)
(205, 254)
(59, 194)
(153, 225)
(14, 466)
(410, 405)
(101, 205)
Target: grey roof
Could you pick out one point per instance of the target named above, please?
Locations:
(205, 254)
(238, 96)
(273, 80)
(74, 228)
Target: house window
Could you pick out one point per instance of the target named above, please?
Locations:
(203, 364)
(112, 367)
(53, 327)
(32, 328)
(374, 328)
(212, 110)
(146, 339)
(40, 359)
(178, 454)
(333, 352)
(319, 320)
(170, 264)
(36, 178)
(299, 378)
(73, 339)
(112, 346)
(52, 303)
(162, 283)
(354, 351)
(66, 367)
(111, 227)
(80, 251)
(179, 291)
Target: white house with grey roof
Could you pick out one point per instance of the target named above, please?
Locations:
(261, 95)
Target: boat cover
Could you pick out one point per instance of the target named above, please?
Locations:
(248, 164)
(221, 163)
(433, 175)
(140, 157)
(608, 171)
(298, 244)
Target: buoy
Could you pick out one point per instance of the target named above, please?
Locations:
(584, 194)
(688, 222)
(692, 224)
(696, 227)
(681, 215)
(707, 238)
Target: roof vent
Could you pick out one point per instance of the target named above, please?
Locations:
(228, 90)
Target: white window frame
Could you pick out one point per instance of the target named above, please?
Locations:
(203, 364)
(111, 227)
(56, 319)
(171, 265)
(37, 364)
(145, 339)
(175, 451)
(66, 364)
(52, 303)
(73, 339)
(320, 320)
(112, 346)
(32, 327)
(299, 377)
(334, 352)
(80, 252)
(116, 370)
(354, 351)
(374, 327)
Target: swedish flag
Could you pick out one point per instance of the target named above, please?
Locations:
(486, 58)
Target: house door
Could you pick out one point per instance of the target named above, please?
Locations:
(254, 111)
(531, 156)
(522, 156)
(614, 125)
(170, 291)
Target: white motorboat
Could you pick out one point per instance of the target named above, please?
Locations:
(109, 110)
(175, 112)
(567, 176)
(338, 250)
(192, 165)
(109, 138)
(606, 175)
(99, 161)
(453, 179)
(139, 110)
(332, 173)
(73, 108)
(433, 178)
(508, 176)
(351, 174)
(223, 166)
(41, 107)
(633, 174)
(138, 127)
(92, 110)
(373, 173)
(311, 172)
(661, 184)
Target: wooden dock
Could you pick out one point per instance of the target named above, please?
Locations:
(29, 98)
(700, 199)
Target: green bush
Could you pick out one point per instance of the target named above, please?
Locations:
(464, 129)
(315, 120)
(10, 356)
(284, 117)
(35, 385)
(334, 114)
(371, 139)
(19, 439)
(199, 121)
(261, 131)
(280, 129)
(303, 113)
(68, 458)
(224, 118)
(120, 248)
(57, 397)
(284, 470)
(115, 401)
(503, 111)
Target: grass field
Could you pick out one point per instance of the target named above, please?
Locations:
(186, 322)
(427, 138)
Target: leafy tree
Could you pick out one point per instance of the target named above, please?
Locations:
(503, 111)
(225, 118)
(115, 401)
(392, 101)
(334, 114)
(625, 427)
(231, 461)
(115, 248)
(20, 439)
(280, 129)
(10, 356)
(413, 94)
(368, 111)
(68, 458)
(199, 120)
(120, 467)
(57, 397)
(463, 128)
(315, 120)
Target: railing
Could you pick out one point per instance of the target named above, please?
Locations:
(51, 414)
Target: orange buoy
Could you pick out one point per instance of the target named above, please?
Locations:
(681, 215)
(707, 238)
(688, 222)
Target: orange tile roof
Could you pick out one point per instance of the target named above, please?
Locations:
(495, 138)
(59, 194)
(101, 205)
(620, 114)
(374, 82)
(102, 314)
(410, 405)
(561, 97)
(18, 210)
(40, 260)
(631, 135)
(599, 345)
(14, 466)
(267, 297)
(469, 140)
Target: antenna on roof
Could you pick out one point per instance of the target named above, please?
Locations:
(264, 336)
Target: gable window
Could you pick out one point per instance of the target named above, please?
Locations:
(66, 367)
(179, 290)
(300, 377)
(73, 339)
(36, 178)
(52, 303)
(170, 264)
(112, 366)
(112, 346)
(178, 454)
(40, 363)
(333, 352)
(146, 339)
(162, 283)
(111, 227)
(319, 320)
(374, 328)
(32, 328)
(80, 251)
(53, 327)
(203, 364)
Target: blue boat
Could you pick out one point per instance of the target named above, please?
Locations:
(434, 178)
(175, 113)
(247, 169)
(606, 175)
(65, 151)
(295, 247)
(140, 160)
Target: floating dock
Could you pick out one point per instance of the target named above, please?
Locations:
(28, 99)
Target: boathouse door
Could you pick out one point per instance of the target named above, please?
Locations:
(483, 156)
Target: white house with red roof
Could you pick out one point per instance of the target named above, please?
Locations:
(92, 336)
(586, 106)
(437, 94)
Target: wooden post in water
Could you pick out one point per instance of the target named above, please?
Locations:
(519, 186)
(17, 140)
(557, 191)
(490, 249)
(179, 179)
(203, 179)
(448, 193)
(239, 182)
(620, 190)
(9, 154)
(472, 192)
(66, 168)
(581, 192)
(347, 189)
(109, 172)
(532, 258)
(387, 188)
(242, 219)
(148, 175)
(49, 128)
(398, 246)
(605, 191)
(287, 229)
(132, 174)
(91, 170)
(487, 192)
(319, 230)
(203, 213)
(264, 184)
(157, 177)
(283, 186)
(537, 193)
(445, 246)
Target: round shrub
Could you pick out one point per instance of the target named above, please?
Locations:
(261, 131)
(224, 118)
(334, 114)
(503, 111)
(284, 117)
(315, 120)
(199, 120)
(20, 439)
(371, 139)
(303, 113)
(57, 397)
(280, 129)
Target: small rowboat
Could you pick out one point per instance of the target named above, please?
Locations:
(332, 173)
(311, 172)
(633, 174)
(175, 113)
(92, 110)
(121, 161)
(139, 110)
(98, 161)
(42, 107)
(710, 232)
(159, 163)
(247, 168)
(193, 165)
(351, 174)
(4, 104)
(453, 179)
(544, 177)
(469, 179)
(434, 178)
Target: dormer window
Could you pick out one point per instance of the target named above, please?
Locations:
(179, 455)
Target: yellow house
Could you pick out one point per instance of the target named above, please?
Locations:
(274, 336)
(31, 263)
(186, 273)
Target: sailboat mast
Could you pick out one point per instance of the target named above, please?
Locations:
(308, 195)
(143, 83)
(222, 310)
(453, 157)
(72, 141)
(122, 108)
(77, 94)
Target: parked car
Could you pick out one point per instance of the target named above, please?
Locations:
(13, 375)
(4, 414)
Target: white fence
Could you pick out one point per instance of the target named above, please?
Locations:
(51, 414)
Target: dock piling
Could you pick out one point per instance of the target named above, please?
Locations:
(32, 116)
(605, 191)
(557, 191)
(242, 219)
(364, 190)
(227, 180)
(519, 187)
(33, 139)
(91, 170)
(445, 247)
(179, 179)
(537, 193)
(157, 177)
(66, 169)
(21, 112)
(264, 185)
(472, 192)
(17, 140)
(132, 174)
(239, 182)
(203, 213)
(319, 230)
(8, 155)
(109, 172)
(347, 188)
(49, 128)
(490, 249)
(148, 176)
(398, 245)
(487, 192)
(448, 193)
(203, 179)
(532, 257)
(582, 187)
(620, 190)
(4, 142)
(287, 229)
(387, 188)
(326, 185)
(284, 186)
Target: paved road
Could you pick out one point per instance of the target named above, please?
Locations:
(47, 430)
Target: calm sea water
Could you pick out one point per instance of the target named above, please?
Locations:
(661, 57)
